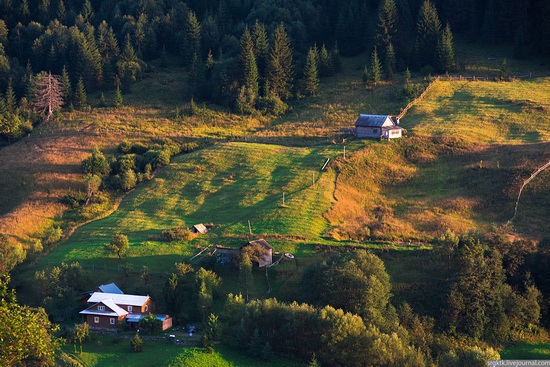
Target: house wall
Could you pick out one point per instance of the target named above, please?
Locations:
(104, 321)
(167, 323)
(368, 132)
(394, 134)
(266, 259)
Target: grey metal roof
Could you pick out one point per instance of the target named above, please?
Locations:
(121, 299)
(110, 288)
(372, 120)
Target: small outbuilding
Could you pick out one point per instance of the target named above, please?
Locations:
(378, 127)
(266, 257)
(199, 229)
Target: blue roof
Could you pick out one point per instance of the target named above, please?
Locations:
(374, 120)
(133, 319)
(110, 288)
(161, 318)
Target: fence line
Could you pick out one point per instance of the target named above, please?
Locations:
(539, 170)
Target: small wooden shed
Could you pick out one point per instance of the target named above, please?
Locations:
(378, 127)
(266, 257)
(199, 229)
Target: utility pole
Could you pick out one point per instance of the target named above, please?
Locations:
(249, 227)
(344, 152)
(313, 179)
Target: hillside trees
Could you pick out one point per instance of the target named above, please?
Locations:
(26, 334)
(10, 254)
(428, 28)
(311, 73)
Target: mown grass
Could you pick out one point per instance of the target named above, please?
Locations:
(226, 357)
(107, 351)
(540, 351)
(227, 185)
(484, 112)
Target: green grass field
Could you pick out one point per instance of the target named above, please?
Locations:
(227, 185)
(107, 351)
(484, 112)
(540, 351)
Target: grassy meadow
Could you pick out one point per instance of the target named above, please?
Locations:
(540, 351)
(106, 351)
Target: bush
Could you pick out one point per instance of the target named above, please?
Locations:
(272, 105)
(189, 147)
(74, 198)
(176, 234)
(52, 235)
(151, 324)
(128, 180)
(136, 343)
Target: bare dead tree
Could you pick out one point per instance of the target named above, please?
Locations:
(48, 94)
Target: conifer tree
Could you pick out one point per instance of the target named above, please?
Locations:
(248, 64)
(428, 29)
(366, 76)
(311, 73)
(195, 76)
(48, 94)
(61, 12)
(210, 61)
(376, 68)
(24, 10)
(281, 67)
(387, 24)
(192, 37)
(119, 101)
(325, 62)
(445, 55)
(389, 61)
(66, 84)
(11, 100)
(80, 93)
(261, 47)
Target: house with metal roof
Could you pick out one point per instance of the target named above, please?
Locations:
(199, 228)
(378, 127)
(109, 310)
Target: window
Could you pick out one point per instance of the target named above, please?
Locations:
(146, 308)
(112, 321)
(96, 320)
(129, 308)
(375, 131)
(101, 308)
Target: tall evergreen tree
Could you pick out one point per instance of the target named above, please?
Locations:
(445, 53)
(261, 48)
(387, 24)
(311, 73)
(192, 44)
(326, 68)
(118, 101)
(249, 69)
(80, 93)
(375, 67)
(404, 38)
(389, 61)
(428, 29)
(61, 13)
(281, 67)
(11, 100)
(195, 78)
(66, 84)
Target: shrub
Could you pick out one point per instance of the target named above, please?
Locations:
(189, 147)
(74, 198)
(136, 343)
(176, 234)
(52, 235)
(128, 180)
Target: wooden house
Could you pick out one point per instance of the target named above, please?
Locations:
(266, 258)
(108, 310)
(378, 127)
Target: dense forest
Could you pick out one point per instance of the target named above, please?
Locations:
(247, 55)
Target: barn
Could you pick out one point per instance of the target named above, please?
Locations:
(378, 127)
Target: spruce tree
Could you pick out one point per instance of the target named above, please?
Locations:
(11, 100)
(61, 12)
(195, 77)
(387, 24)
(249, 68)
(24, 10)
(80, 93)
(428, 29)
(209, 61)
(66, 84)
(261, 48)
(281, 67)
(311, 73)
(376, 68)
(118, 101)
(192, 37)
(325, 62)
(366, 76)
(389, 61)
(445, 55)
